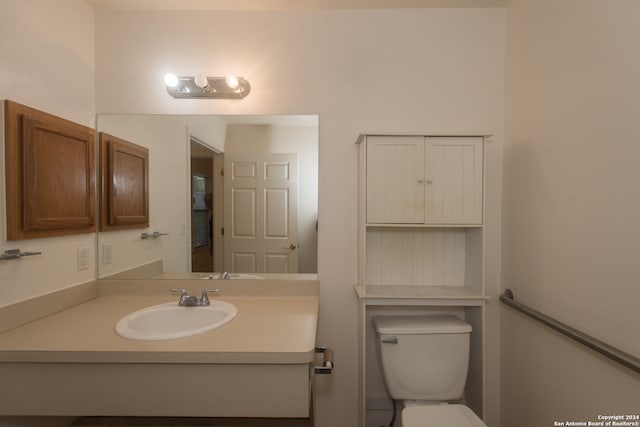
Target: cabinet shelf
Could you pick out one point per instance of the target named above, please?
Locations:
(439, 226)
(421, 295)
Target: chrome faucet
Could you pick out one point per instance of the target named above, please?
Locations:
(187, 300)
(204, 298)
(222, 276)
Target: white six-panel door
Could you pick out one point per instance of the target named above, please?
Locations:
(261, 198)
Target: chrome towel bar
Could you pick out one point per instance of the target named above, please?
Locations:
(603, 348)
(153, 235)
(17, 253)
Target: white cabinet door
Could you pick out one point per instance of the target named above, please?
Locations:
(395, 179)
(424, 180)
(454, 180)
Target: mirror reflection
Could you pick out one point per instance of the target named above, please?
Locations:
(234, 194)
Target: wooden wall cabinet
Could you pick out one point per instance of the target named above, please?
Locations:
(124, 176)
(50, 174)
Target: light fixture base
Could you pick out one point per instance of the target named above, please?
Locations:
(217, 88)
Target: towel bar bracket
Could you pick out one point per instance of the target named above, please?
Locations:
(327, 361)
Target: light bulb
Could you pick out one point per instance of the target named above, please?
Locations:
(201, 81)
(232, 81)
(171, 80)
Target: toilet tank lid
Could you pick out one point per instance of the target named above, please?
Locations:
(421, 324)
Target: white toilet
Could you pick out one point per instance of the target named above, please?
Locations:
(425, 360)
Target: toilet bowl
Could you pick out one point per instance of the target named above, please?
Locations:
(424, 361)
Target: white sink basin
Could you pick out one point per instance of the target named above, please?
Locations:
(170, 321)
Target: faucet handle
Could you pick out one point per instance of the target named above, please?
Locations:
(183, 295)
(204, 298)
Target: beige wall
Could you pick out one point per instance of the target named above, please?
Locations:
(47, 62)
(432, 70)
(571, 205)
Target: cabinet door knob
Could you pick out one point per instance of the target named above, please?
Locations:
(429, 181)
(420, 180)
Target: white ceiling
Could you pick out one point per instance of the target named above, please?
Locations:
(286, 4)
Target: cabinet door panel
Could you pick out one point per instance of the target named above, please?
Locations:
(395, 179)
(125, 184)
(50, 174)
(454, 180)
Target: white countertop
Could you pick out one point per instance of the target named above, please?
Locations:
(266, 330)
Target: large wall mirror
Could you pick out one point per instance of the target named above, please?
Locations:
(235, 194)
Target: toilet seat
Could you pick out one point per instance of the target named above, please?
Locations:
(440, 416)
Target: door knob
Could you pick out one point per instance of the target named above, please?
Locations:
(291, 246)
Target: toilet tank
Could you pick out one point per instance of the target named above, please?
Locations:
(423, 357)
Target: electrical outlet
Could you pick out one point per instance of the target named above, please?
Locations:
(83, 258)
(107, 253)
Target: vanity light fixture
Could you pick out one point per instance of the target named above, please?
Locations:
(200, 86)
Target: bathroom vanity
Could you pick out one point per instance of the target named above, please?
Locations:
(73, 363)
(421, 246)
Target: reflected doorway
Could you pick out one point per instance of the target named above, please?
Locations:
(206, 207)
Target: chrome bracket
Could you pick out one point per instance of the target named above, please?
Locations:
(327, 361)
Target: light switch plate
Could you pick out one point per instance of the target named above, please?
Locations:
(107, 253)
(83, 258)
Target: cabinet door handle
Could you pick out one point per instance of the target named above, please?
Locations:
(420, 180)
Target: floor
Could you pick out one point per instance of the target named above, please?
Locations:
(189, 422)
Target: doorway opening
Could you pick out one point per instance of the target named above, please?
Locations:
(206, 170)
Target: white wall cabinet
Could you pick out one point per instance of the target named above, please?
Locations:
(424, 180)
(421, 246)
